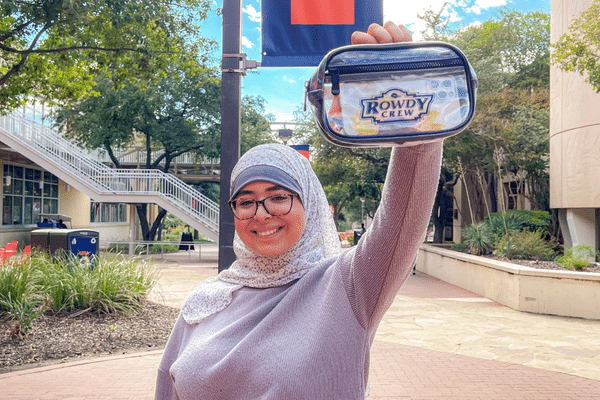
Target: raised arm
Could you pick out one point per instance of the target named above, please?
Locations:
(375, 269)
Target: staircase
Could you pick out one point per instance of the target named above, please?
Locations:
(47, 148)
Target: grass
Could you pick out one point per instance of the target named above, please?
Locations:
(67, 284)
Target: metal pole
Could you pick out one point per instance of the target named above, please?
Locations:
(230, 123)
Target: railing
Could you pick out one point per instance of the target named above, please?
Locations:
(138, 156)
(206, 251)
(101, 179)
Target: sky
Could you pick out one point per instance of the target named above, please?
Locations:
(283, 87)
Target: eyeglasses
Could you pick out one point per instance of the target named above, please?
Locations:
(280, 204)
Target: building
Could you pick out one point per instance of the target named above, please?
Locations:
(46, 176)
(574, 142)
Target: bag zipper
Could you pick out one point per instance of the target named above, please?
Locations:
(335, 72)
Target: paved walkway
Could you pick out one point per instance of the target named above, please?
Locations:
(437, 341)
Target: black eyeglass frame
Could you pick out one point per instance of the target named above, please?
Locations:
(262, 202)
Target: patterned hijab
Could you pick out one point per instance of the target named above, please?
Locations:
(318, 242)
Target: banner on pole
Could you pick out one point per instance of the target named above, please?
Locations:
(300, 32)
(303, 149)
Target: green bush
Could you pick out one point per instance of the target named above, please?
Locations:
(20, 296)
(577, 257)
(458, 247)
(506, 222)
(68, 284)
(479, 238)
(108, 285)
(526, 245)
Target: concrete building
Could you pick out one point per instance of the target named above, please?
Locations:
(574, 142)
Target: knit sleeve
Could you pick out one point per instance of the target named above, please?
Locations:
(374, 270)
(165, 388)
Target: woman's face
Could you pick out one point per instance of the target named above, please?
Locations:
(267, 235)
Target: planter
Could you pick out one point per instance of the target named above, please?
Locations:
(564, 293)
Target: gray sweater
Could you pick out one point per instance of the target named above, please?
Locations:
(311, 338)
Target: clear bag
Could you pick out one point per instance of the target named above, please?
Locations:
(374, 95)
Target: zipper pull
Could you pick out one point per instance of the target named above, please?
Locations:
(335, 83)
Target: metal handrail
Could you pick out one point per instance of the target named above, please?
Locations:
(139, 156)
(103, 180)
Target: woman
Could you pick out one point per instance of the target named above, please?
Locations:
(294, 317)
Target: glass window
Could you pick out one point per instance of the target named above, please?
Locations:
(24, 200)
(108, 212)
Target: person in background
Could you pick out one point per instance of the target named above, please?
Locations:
(294, 316)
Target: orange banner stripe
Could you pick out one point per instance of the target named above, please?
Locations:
(322, 12)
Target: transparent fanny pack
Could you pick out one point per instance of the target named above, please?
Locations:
(374, 95)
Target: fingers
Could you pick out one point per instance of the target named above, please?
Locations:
(359, 37)
(388, 33)
(399, 33)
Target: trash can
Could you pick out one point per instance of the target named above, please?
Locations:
(357, 236)
(81, 242)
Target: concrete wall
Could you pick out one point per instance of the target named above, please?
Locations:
(564, 293)
(574, 141)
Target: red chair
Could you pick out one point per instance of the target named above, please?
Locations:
(9, 250)
(25, 255)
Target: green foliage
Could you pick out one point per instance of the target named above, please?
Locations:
(479, 238)
(458, 247)
(19, 294)
(53, 48)
(510, 221)
(507, 46)
(527, 245)
(178, 115)
(255, 125)
(67, 284)
(577, 257)
(579, 50)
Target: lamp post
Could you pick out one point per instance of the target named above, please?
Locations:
(362, 211)
(285, 135)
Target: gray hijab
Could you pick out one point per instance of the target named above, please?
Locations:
(318, 242)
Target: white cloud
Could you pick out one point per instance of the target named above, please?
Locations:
(254, 15)
(405, 12)
(247, 42)
(289, 80)
(475, 10)
(485, 4)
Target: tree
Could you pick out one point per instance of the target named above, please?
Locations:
(180, 114)
(54, 48)
(436, 26)
(579, 50)
(508, 45)
(255, 126)
(509, 134)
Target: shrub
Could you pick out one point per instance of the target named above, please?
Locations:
(67, 284)
(458, 247)
(107, 285)
(479, 238)
(577, 257)
(20, 295)
(506, 222)
(526, 245)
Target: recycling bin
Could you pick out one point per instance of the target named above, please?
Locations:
(80, 242)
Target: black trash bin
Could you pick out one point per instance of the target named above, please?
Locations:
(357, 236)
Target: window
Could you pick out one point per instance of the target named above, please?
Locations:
(27, 193)
(108, 212)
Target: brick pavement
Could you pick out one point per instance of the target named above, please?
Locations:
(398, 371)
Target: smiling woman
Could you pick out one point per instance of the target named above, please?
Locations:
(294, 316)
